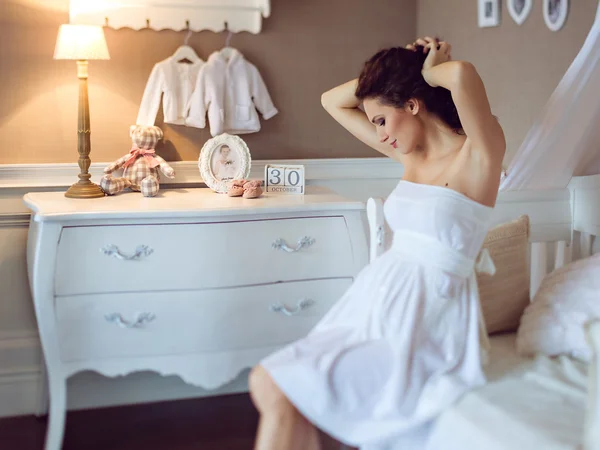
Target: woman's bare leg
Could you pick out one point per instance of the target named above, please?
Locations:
(281, 426)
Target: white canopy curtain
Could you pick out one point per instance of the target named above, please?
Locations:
(565, 139)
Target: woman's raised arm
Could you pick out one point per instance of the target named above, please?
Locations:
(341, 103)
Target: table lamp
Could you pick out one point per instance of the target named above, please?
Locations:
(82, 43)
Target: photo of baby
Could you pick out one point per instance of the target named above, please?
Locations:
(224, 163)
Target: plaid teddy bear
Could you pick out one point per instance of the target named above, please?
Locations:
(140, 165)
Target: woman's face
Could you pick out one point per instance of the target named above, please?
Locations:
(398, 127)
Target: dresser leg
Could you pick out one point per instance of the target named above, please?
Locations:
(56, 419)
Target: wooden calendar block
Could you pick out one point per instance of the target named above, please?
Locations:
(284, 179)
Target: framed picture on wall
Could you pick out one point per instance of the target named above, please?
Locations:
(555, 13)
(488, 12)
(519, 9)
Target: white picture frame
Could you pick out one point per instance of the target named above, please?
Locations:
(519, 10)
(488, 13)
(224, 158)
(555, 13)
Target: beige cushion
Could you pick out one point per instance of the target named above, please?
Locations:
(505, 295)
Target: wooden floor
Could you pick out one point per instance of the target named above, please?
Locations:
(214, 423)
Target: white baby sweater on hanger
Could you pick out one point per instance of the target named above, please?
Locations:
(230, 91)
(175, 82)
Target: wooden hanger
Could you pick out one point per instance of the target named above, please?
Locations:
(185, 53)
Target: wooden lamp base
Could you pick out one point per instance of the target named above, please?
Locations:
(84, 188)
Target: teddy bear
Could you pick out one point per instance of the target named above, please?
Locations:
(245, 188)
(140, 166)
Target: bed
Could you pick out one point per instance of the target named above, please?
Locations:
(529, 402)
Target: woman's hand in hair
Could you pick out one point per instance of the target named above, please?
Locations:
(438, 52)
(428, 42)
(468, 94)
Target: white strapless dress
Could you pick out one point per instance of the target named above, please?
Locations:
(403, 342)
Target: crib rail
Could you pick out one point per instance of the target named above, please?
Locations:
(591, 436)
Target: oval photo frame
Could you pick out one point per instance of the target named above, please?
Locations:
(519, 10)
(555, 13)
(223, 159)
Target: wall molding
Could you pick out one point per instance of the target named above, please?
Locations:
(20, 353)
(187, 172)
(14, 221)
(21, 334)
(20, 375)
(19, 394)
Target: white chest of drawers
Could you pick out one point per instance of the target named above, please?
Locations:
(190, 283)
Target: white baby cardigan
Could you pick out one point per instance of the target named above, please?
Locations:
(173, 80)
(230, 91)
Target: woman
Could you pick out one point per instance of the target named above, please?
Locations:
(402, 344)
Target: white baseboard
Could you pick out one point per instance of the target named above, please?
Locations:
(21, 352)
(23, 390)
(20, 357)
(19, 394)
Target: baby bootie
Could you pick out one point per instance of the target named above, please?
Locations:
(236, 188)
(252, 189)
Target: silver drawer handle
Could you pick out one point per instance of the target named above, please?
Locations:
(141, 319)
(304, 242)
(380, 236)
(141, 252)
(301, 305)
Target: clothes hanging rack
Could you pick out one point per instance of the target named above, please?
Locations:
(240, 15)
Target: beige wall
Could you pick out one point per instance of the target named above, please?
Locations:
(520, 65)
(306, 47)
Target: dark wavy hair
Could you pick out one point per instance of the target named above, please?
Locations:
(393, 76)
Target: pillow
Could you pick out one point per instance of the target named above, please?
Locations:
(555, 321)
(505, 295)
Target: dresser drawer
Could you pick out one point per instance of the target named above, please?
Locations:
(167, 323)
(103, 259)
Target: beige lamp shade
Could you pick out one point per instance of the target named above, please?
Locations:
(81, 42)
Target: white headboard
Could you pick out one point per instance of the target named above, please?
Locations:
(563, 223)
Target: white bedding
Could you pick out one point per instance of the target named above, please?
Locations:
(503, 358)
(529, 403)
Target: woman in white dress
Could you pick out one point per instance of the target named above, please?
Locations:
(404, 342)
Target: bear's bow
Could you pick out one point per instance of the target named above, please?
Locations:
(147, 154)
